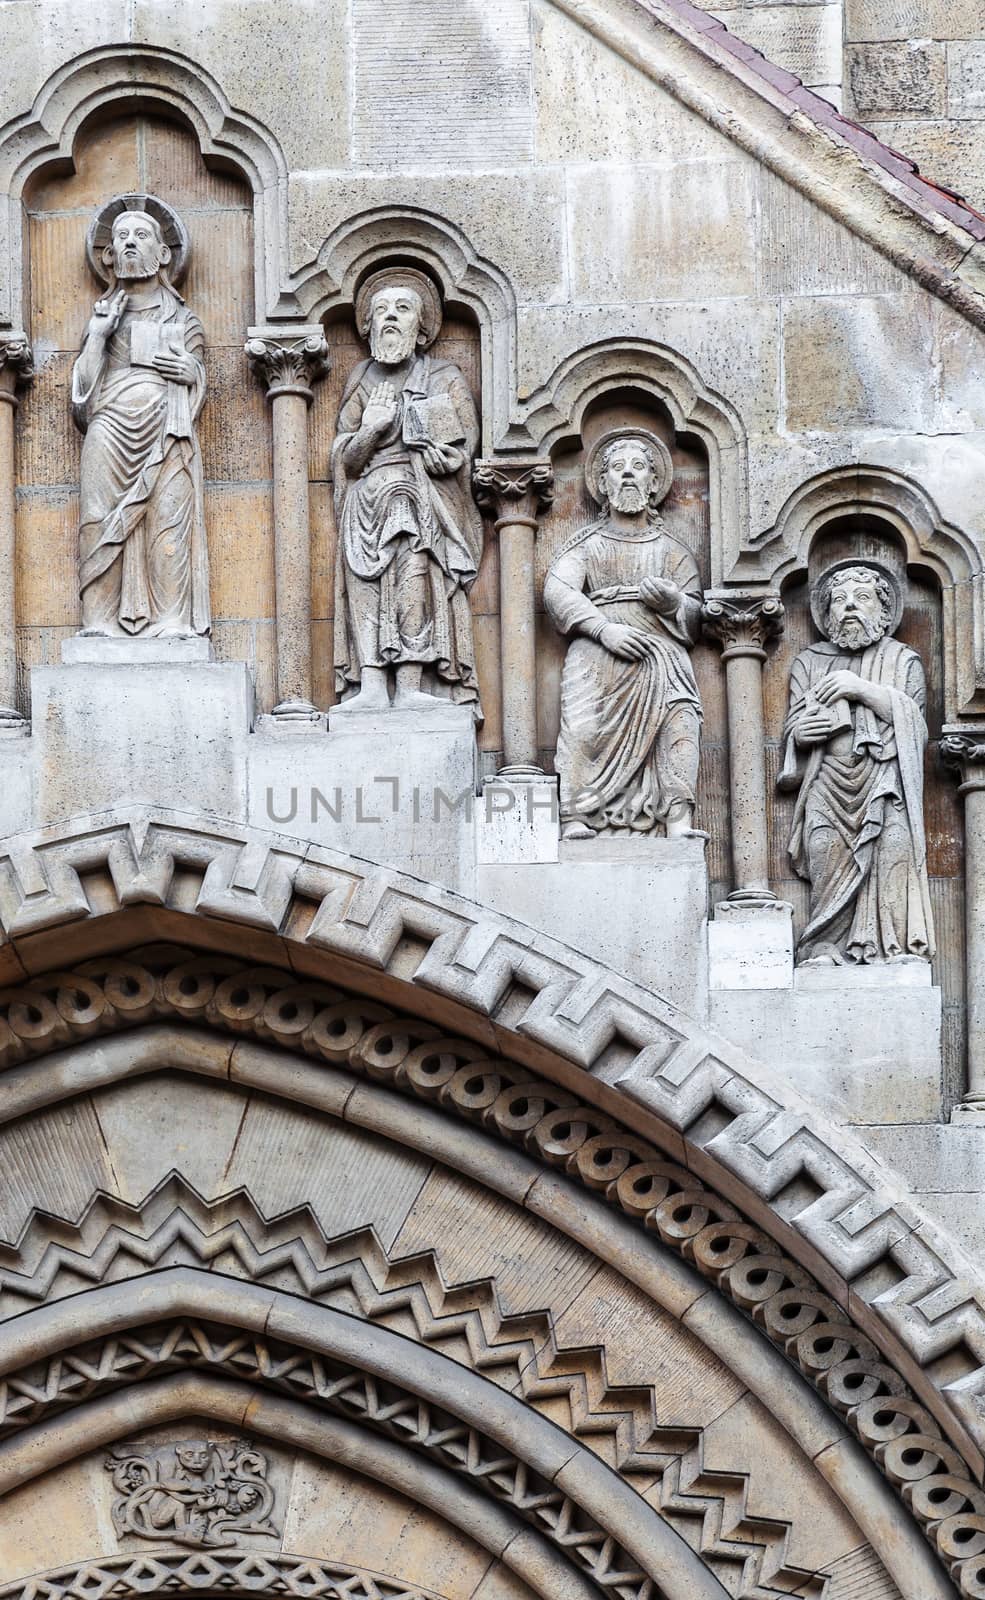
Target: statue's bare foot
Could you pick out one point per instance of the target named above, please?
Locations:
(99, 633)
(687, 833)
(366, 700)
(415, 700)
(577, 830)
(821, 961)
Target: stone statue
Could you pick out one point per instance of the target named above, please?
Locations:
(137, 389)
(630, 594)
(409, 532)
(854, 746)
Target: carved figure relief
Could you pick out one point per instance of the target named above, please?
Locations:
(410, 534)
(137, 390)
(853, 749)
(629, 595)
(195, 1492)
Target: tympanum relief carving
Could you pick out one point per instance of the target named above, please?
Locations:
(195, 1492)
(629, 596)
(854, 745)
(410, 534)
(137, 389)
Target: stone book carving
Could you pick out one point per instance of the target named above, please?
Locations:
(137, 389)
(630, 596)
(195, 1492)
(854, 746)
(410, 534)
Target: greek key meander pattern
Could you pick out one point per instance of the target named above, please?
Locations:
(813, 1331)
(248, 1572)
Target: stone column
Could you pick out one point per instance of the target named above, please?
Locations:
(16, 367)
(964, 750)
(289, 360)
(743, 625)
(515, 491)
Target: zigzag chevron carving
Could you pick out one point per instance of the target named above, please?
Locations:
(164, 1572)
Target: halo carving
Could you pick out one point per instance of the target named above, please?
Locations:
(661, 455)
(175, 233)
(390, 277)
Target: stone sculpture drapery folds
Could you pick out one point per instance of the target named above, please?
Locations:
(631, 595)
(854, 746)
(137, 389)
(410, 534)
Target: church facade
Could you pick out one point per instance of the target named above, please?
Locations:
(492, 800)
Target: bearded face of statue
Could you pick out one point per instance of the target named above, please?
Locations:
(627, 476)
(395, 323)
(138, 249)
(856, 612)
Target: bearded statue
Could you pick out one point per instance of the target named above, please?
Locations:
(410, 534)
(854, 746)
(629, 596)
(137, 389)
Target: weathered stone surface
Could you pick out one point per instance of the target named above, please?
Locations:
(908, 79)
(848, 362)
(805, 39)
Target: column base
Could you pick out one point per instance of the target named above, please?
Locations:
(969, 1112)
(750, 943)
(12, 724)
(293, 717)
(517, 818)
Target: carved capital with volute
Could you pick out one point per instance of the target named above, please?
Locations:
(963, 750)
(289, 360)
(16, 363)
(743, 624)
(514, 491)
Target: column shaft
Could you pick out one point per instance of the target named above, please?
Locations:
(292, 546)
(8, 616)
(517, 625)
(974, 817)
(747, 770)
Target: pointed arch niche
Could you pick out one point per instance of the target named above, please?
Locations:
(155, 147)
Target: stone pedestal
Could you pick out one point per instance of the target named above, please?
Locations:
(640, 905)
(95, 650)
(863, 1042)
(398, 787)
(118, 728)
(517, 820)
(751, 947)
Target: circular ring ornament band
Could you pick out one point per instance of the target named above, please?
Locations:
(662, 460)
(173, 231)
(409, 278)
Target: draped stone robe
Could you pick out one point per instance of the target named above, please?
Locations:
(409, 544)
(143, 556)
(629, 729)
(858, 830)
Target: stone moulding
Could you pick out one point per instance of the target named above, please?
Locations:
(423, 948)
(226, 1571)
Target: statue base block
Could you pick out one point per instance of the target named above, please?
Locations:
(638, 904)
(168, 733)
(751, 947)
(101, 651)
(863, 1042)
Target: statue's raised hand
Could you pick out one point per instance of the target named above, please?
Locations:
(381, 408)
(661, 595)
(106, 316)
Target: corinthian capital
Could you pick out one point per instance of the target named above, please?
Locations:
(16, 362)
(513, 491)
(963, 749)
(743, 624)
(288, 360)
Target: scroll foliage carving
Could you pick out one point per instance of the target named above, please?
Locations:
(670, 1202)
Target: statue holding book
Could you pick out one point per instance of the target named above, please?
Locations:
(854, 747)
(409, 532)
(137, 389)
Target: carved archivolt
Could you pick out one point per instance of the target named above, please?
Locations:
(491, 977)
(899, 1433)
(226, 1571)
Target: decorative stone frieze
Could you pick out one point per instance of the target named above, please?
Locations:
(258, 1572)
(16, 369)
(743, 625)
(289, 361)
(516, 493)
(198, 1492)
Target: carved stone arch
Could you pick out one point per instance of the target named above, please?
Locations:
(236, 1572)
(902, 506)
(131, 77)
(416, 237)
(555, 413)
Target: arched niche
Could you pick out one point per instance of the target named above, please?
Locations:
(864, 532)
(461, 341)
(687, 513)
(153, 148)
